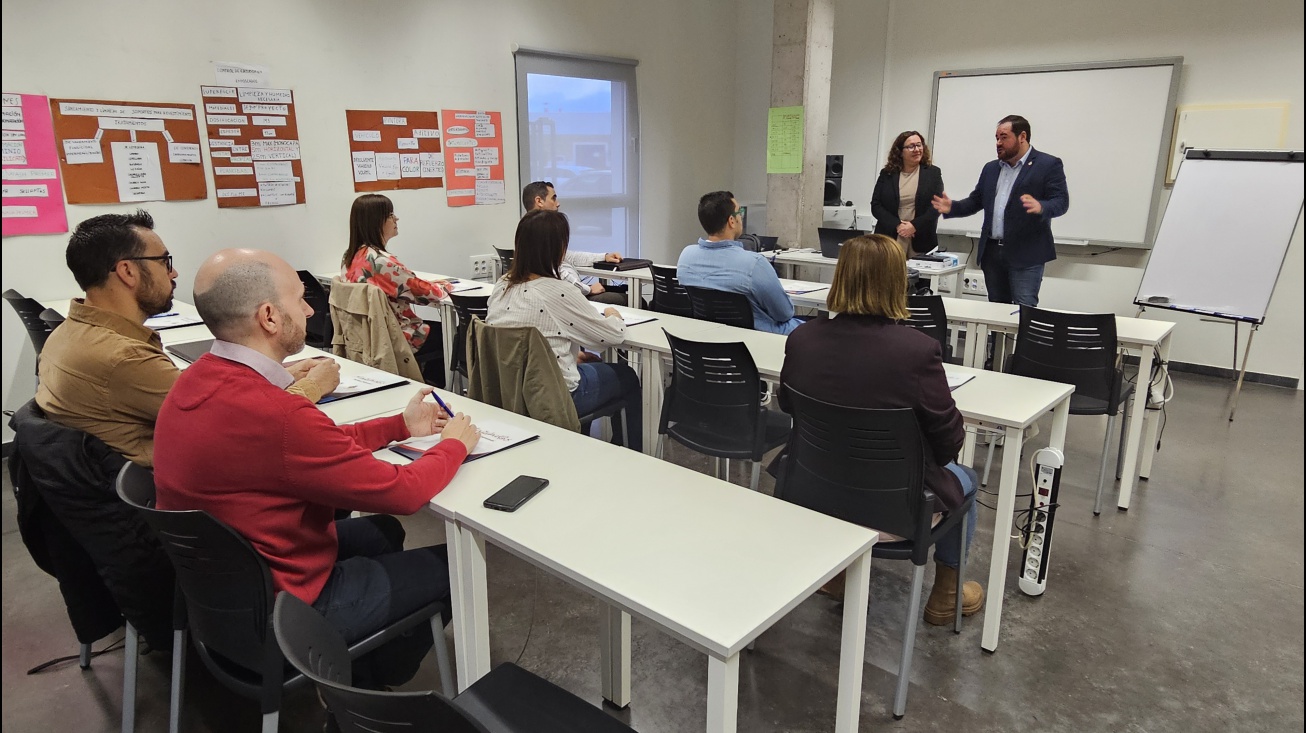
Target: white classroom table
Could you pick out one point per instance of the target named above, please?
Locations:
(991, 400)
(664, 544)
(792, 259)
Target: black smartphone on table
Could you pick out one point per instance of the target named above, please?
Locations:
(516, 493)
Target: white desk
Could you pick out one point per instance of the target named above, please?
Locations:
(710, 563)
(1151, 338)
(992, 400)
(793, 259)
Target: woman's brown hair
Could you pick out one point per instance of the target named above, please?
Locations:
(870, 278)
(539, 245)
(366, 220)
(895, 151)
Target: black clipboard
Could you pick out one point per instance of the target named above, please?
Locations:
(413, 454)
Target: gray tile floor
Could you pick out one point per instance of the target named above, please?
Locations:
(1183, 614)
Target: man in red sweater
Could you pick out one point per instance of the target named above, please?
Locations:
(231, 441)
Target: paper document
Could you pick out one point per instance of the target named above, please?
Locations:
(799, 287)
(630, 319)
(363, 384)
(495, 436)
(172, 320)
(956, 380)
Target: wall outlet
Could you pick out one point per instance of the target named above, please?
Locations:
(484, 267)
(972, 283)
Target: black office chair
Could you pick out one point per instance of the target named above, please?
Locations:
(507, 700)
(228, 595)
(1079, 349)
(929, 316)
(318, 329)
(718, 306)
(669, 296)
(867, 467)
(29, 312)
(505, 259)
(51, 318)
(714, 405)
(465, 306)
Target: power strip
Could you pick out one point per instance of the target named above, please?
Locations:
(1042, 508)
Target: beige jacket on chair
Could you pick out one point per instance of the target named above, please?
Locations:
(513, 368)
(364, 329)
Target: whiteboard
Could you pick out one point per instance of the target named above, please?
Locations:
(1224, 234)
(1109, 123)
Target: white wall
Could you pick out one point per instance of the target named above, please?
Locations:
(1250, 52)
(338, 54)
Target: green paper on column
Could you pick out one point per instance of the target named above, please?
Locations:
(784, 140)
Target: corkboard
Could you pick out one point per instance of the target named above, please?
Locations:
(147, 134)
(375, 131)
(253, 146)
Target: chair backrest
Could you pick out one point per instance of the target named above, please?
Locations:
(51, 318)
(718, 306)
(226, 583)
(313, 646)
(29, 312)
(466, 306)
(715, 391)
(505, 259)
(1072, 348)
(319, 324)
(864, 466)
(669, 296)
(929, 315)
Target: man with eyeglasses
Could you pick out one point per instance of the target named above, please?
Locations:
(103, 371)
(720, 262)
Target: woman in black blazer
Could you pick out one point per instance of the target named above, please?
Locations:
(913, 222)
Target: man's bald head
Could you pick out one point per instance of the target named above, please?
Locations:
(232, 285)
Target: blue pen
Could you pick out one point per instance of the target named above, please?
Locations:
(440, 402)
(164, 315)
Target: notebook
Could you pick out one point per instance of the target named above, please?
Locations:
(799, 287)
(956, 380)
(627, 264)
(495, 437)
(363, 384)
(630, 319)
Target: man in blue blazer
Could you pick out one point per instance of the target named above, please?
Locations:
(1027, 190)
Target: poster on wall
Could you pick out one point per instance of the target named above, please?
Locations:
(33, 195)
(253, 146)
(393, 150)
(473, 158)
(124, 152)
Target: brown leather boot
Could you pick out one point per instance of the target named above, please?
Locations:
(941, 608)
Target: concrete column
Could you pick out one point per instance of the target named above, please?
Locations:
(801, 50)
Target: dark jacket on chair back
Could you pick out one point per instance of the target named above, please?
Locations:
(873, 362)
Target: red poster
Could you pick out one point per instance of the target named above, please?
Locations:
(473, 157)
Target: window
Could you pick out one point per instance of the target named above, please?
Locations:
(578, 127)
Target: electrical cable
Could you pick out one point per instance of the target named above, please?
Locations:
(112, 647)
(535, 594)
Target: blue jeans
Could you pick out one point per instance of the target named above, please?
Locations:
(947, 550)
(1007, 284)
(375, 583)
(601, 383)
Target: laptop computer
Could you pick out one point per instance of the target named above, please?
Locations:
(190, 352)
(629, 263)
(767, 244)
(831, 239)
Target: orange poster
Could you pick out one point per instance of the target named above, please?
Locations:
(473, 157)
(392, 150)
(253, 146)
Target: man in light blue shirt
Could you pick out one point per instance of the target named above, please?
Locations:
(720, 262)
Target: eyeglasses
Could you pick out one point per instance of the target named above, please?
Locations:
(914, 146)
(165, 259)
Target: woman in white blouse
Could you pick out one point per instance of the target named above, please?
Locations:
(532, 294)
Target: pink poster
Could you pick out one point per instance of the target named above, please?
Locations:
(33, 194)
